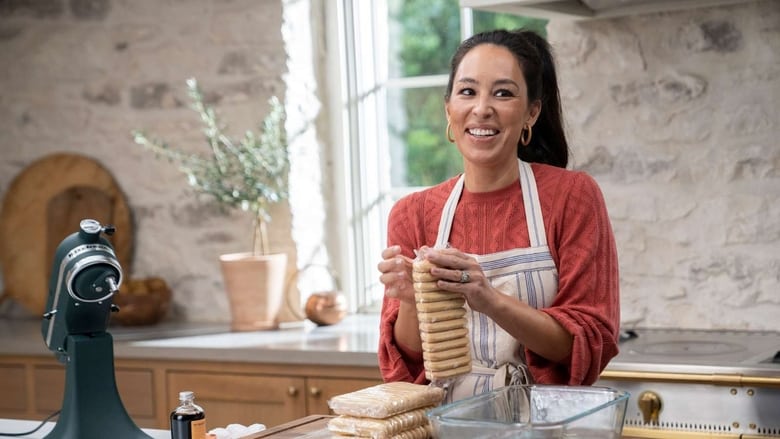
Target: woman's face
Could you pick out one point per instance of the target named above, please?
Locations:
(489, 105)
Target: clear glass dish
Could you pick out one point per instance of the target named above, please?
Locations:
(534, 412)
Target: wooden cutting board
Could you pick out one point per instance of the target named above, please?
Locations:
(45, 204)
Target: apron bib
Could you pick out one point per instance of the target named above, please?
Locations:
(528, 274)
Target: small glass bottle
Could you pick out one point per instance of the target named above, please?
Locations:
(188, 421)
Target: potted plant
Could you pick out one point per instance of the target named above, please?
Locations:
(248, 174)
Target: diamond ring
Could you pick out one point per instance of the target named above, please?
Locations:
(464, 277)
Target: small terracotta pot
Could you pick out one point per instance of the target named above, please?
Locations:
(255, 289)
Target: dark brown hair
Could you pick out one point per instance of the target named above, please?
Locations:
(548, 142)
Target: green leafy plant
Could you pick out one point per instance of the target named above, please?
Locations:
(248, 174)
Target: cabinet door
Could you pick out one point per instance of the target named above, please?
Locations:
(13, 381)
(135, 388)
(231, 398)
(320, 390)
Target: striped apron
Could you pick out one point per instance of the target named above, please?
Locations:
(528, 274)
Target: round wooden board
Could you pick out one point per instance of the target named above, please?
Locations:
(43, 205)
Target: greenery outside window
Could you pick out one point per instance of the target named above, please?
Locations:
(394, 61)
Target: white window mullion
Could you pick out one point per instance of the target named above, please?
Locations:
(366, 143)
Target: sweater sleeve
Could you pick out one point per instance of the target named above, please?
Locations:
(396, 362)
(587, 302)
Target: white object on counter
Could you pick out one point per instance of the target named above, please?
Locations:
(10, 426)
(237, 431)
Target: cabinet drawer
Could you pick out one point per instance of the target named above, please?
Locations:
(320, 390)
(241, 398)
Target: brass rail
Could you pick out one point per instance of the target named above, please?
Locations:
(715, 379)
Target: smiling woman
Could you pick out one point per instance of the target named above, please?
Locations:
(527, 243)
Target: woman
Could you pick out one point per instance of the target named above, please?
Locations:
(527, 242)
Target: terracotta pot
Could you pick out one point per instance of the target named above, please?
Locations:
(255, 289)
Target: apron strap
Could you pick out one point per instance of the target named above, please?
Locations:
(511, 375)
(445, 223)
(507, 374)
(533, 209)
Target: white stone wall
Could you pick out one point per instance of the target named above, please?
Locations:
(675, 115)
(79, 75)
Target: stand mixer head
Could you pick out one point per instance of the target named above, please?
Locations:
(85, 276)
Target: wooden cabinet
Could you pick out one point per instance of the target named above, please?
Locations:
(13, 382)
(241, 398)
(229, 392)
(269, 394)
(33, 388)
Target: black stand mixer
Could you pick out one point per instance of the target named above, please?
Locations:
(85, 275)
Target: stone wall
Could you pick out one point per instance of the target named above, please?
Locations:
(80, 75)
(676, 116)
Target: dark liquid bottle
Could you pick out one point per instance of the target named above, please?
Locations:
(188, 421)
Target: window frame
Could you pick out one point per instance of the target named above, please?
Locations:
(363, 193)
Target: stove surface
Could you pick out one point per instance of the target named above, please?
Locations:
(698, 351)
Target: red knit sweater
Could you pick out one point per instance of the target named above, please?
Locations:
(582, 245)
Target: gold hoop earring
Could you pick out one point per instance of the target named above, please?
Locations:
(448, 133)
(525, 140)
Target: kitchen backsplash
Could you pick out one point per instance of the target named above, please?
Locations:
(676, 115)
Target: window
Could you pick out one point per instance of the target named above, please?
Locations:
(394, 58)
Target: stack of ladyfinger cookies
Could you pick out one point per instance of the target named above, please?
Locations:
(395, 410)
(443, 326)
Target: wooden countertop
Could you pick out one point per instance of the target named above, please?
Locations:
(311, 427)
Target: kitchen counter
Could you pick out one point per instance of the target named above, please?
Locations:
(311, 427)
(12, 426)
(734, 376)
(352, 342)
(270, 376)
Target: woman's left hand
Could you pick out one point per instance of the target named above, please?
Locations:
(461, 273)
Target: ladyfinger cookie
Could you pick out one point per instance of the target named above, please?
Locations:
(423, 276)
(446, 354)
(426, 286)
(444, 325)
(421, 432)
(438, 316)
(434, 337)
(422, 266)
(444, 374)
(459, 340)
(435, 296)
(442, 305)
(448, 364)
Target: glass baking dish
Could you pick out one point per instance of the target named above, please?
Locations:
(534, 412)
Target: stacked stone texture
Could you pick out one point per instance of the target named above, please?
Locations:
(78, 76)
(675, 114)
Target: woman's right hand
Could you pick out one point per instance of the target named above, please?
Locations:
(396, 274)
